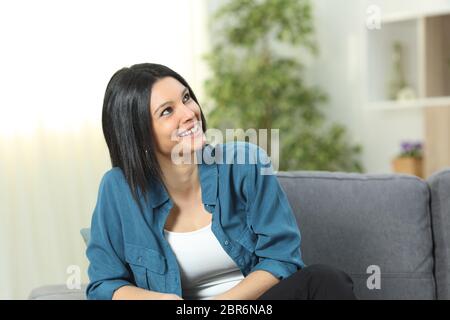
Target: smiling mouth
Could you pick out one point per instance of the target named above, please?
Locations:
(196, 128)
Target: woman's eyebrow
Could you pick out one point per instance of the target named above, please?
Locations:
(167, 102)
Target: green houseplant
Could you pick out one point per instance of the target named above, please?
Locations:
(257, 83)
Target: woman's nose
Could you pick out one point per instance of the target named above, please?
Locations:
(187, 113)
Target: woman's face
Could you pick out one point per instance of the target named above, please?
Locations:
(175, 117)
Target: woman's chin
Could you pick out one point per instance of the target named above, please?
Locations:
(186, 148)
(192, 144)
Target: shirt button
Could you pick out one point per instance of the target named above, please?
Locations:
(226, 242)
(140, 259)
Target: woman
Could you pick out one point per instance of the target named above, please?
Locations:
(166, 229)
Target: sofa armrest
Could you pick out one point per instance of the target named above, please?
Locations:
(440, 211)
(58, 292)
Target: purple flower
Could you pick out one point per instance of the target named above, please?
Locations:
(411, 149)
(418, 146)
(406, 146)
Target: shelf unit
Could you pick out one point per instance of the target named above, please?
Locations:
(407, 104)
(425, 39)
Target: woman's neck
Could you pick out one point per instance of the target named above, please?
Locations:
(181, 180)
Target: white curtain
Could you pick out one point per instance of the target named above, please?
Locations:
(48, 189)
(55, 62)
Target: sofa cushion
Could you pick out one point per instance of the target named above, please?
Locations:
(354, 221)
(440, 216)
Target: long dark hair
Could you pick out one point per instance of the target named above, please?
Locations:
(127, 125)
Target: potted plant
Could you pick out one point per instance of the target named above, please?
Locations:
(257, 82)
(410, 159)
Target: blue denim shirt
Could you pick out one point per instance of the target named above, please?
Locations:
(251, 219)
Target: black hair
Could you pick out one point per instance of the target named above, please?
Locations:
(127, 125)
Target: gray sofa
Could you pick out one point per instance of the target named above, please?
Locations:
(396, 224)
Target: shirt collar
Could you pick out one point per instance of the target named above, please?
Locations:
(208, 176)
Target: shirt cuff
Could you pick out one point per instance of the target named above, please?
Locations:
(105, 290)
(279, 269)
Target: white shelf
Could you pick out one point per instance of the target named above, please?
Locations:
(426, 51)
(410, 15)
(410, 104)
(424, 36)
(379, 58)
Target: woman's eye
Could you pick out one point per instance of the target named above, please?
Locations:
(166, 109)
(186, 97)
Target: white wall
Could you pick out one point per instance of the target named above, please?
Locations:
(55, 62)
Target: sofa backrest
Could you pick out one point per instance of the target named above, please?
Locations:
(365, 223)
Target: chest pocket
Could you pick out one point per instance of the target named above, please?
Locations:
(248, 239)
(148, 267)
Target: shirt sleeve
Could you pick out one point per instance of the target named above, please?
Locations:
(107, 270)
(272, 220)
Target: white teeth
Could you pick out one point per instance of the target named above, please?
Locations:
(190, 131)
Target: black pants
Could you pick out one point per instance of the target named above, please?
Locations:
(315, 282)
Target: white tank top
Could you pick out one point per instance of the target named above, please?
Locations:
(206, 269)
